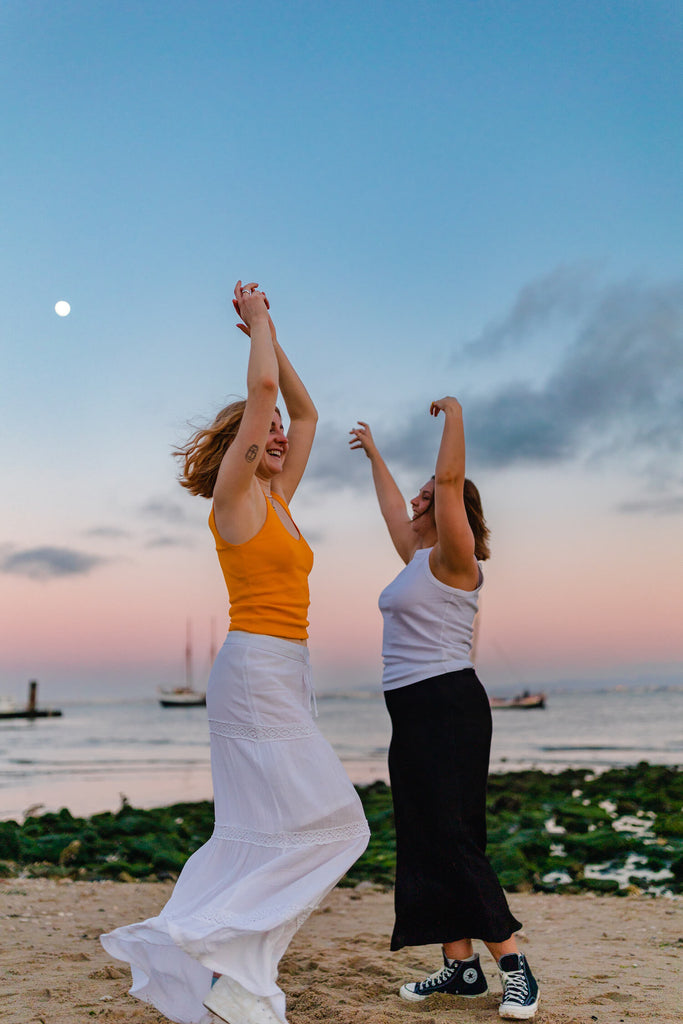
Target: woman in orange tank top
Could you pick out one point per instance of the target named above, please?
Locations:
(289, 823)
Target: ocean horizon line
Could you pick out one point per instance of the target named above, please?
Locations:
(375, 691)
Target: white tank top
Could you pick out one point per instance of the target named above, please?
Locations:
(427, 624)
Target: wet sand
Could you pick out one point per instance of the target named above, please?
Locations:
(604, 959)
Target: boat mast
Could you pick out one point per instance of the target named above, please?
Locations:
(188, 656)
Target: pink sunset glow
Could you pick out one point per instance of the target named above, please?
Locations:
(549, 610)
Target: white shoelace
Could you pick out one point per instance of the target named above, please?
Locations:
(515, 987)
(438, 976)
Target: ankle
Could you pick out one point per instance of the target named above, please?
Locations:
(458, 952)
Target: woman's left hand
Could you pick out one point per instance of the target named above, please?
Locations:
(246, 292)
(443, 404)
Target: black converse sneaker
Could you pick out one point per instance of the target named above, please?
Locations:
(520, 990)
(456, 978)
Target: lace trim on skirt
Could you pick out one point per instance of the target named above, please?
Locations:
(286, 912)
(236, 730)
(284, 840)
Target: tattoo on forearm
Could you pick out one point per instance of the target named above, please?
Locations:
(251, 453)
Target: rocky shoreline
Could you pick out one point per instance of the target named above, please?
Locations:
(618, 832)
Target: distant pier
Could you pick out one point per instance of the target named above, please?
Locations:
(9, 709)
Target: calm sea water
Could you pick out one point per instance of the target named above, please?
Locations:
(97, 753)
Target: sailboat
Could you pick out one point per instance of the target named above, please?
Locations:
(186, 696)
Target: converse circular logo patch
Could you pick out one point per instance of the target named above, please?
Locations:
(469, 976)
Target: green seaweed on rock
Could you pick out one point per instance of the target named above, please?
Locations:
(545, 832)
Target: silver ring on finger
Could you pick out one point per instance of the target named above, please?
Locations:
(246, 291)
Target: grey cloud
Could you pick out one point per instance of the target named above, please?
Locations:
(516, 425)
(46, 563)
(166, 542)
(667, 504)
(332, 460)
(563, 293)
(166, 510)
(612, 388)
(618, 386)
(107, 533)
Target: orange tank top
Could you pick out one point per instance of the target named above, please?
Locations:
(267, 578)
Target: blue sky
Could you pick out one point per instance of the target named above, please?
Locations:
(473, 198)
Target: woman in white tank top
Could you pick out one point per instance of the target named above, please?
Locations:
(446, 890)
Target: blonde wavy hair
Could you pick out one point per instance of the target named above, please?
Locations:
(203, 453)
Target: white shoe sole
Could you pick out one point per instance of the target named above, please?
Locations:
(236, 1005)
(518, 1012)
(413, 997)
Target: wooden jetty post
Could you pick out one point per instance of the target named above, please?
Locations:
(31, 710)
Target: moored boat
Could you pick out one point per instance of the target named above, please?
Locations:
(186, 696)
(523, 701)
(182, 697)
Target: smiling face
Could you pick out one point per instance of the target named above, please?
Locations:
(273, 457)
(423, 522)
(423, 503)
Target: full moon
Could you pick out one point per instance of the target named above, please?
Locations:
(62, 308)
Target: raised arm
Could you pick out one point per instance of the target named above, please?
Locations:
(303, 418)
(391, 502)
(452, 560)
(236, 474)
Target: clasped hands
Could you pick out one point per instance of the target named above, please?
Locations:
(251, 304)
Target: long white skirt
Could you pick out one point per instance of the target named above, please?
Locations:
(289, 824)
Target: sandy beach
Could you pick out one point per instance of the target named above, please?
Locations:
(603, 959)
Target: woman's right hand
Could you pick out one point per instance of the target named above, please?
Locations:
(444, 405)
(361, 437)
(250, 304)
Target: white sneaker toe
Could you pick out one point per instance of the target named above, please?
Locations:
(233, 1003)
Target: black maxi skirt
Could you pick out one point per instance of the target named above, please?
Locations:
(445, 888)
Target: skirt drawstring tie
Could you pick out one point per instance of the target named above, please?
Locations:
(310, 691)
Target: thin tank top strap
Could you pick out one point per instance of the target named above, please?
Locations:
(281, 501)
